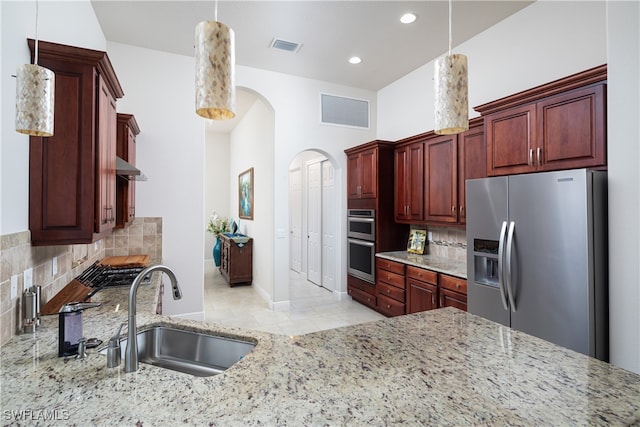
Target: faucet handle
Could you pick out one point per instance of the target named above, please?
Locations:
(82, 348)
(116, 336)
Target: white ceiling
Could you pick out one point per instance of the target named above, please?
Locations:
(330, 32)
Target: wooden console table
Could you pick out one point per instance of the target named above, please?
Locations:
(236, 260)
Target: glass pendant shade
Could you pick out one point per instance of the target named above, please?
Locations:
(35, 91)
(451, 95)
(215, 71)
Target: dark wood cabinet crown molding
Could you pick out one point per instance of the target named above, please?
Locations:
(72, 54)
(584, 78)
(129, 120)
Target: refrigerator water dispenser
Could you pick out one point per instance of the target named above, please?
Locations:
(485, 260)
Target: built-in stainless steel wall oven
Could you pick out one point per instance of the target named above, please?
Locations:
(361, 243)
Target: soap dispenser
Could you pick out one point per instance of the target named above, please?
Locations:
(70, 327)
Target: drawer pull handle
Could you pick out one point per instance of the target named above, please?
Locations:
(388, 291)
(388, 306)
(457, 285)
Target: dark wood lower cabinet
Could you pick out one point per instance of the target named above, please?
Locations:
(236, 261)
(390, 287)
(422, 288)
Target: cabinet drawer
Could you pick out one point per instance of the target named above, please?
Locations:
(453, 299)
(362, 297)
(390, 291)
(453, 283)
(389, 278)
(392, 266)
(389, 306)
(422, 274)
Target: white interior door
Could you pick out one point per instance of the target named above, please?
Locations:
(314, 223)
(329, 226)
(295, 219)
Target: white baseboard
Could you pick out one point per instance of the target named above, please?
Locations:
(340, 296)
(280, 306)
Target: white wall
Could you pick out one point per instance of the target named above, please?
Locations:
(541, 43)
(217, 182)
(295, 102)
(159, 91)
(623, 19)
(253, 146)
(71, 23)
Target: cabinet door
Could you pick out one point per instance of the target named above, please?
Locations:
(410, 182)
(572, 130)
(369, 177)
(61, 167)
(421, 296)
(106, 159)
(511, 136)
(131, 194)
(441, 179)
(354, 174)
(472, 163)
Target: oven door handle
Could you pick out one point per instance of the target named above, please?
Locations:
(361, 242)
(359, 219)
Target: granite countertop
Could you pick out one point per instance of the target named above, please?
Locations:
(430, 262)
(441, 367)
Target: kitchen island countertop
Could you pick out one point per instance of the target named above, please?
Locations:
(430, 262)
(441, 367)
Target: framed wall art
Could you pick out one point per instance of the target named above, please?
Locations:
(417, 240)
(245, 194)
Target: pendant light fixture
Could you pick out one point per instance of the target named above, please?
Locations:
(215, 70)
(35, 89)
(451, 92)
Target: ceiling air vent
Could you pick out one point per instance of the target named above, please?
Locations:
(285, 45)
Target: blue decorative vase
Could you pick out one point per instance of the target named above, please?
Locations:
(216, 252)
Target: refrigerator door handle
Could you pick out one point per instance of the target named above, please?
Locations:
(512, 300)
(503, 296)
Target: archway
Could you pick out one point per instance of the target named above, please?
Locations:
(314, 218)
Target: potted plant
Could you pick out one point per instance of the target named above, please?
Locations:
(217, 225)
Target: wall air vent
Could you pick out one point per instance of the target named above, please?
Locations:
(285, 45)
(337, 110)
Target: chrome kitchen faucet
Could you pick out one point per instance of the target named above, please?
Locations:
(131, 352)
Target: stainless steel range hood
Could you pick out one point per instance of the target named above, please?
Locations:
(127, 171)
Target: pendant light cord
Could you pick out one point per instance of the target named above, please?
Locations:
(450, 8)
(215, 11)
(36, 57)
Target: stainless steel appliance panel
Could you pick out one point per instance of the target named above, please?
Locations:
(551, 280)
(361, 224)
(551, 258)
(487, 210)
(361, 259)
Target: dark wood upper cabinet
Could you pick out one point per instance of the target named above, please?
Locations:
(72, 173)
(441, 179)
(431, 171)
(126, 188)
(409, 182)
(472, 161)
(362, 170)
(560, 125)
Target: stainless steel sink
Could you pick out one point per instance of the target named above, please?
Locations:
(190, 352)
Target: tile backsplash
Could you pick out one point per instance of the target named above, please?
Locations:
(143, 236)
(448, 242)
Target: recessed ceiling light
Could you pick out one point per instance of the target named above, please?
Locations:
(408, 18)
(355, 60)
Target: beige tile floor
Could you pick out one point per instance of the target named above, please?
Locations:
(312, 308)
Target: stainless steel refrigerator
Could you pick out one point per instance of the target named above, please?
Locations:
(537, 256)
